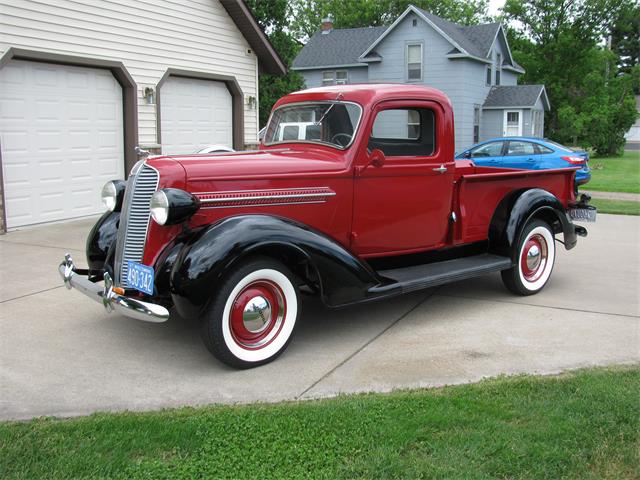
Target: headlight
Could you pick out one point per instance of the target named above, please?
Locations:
(112, 195)
(172, 205)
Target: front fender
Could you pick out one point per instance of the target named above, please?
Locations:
(208, 256)
(101, 239)
(517, 209)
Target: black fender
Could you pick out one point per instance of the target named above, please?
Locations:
(101, 239)
(517, 209)
(321, 262)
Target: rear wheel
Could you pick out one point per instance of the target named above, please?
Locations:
(252, 319)
(535, 257)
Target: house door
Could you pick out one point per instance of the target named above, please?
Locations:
(512, 123)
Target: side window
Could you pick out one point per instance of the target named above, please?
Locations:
(404, 132)
(493, 149)
(520, 148)
(541, 149)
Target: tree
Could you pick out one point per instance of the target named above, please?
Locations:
(308, 14)
(625, 38)
(560, 44)
(273, 16)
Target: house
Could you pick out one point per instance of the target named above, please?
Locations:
(632, 136)
(471, 64)
(83, 83)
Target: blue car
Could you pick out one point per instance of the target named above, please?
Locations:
(529, 153)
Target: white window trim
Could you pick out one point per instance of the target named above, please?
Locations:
(406, 62)
(504, 123)
(334, 77)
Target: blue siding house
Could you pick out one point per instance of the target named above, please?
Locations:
(471, 64)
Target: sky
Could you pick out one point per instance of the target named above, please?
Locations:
(494, 5)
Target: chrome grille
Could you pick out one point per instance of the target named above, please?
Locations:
(134, 221)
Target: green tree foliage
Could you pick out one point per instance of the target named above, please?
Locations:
(560, 44)
(308, 14)
(274, 17)
(625, 38)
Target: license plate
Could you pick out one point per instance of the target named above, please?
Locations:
(140, 277)
(583, 214)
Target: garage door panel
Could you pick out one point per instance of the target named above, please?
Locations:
(55, 154)
(194, 113)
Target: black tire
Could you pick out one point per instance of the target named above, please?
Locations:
(252, 318)
(531, 272)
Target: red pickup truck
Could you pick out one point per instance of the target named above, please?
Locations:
(354, 196)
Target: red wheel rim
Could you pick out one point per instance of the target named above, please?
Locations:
(257, 314)
(533, 258)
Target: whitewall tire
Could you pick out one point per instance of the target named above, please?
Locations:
(254, 314)
(534, 257)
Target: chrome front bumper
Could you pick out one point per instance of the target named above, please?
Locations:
(131, 307)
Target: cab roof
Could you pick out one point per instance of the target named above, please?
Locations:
(367, 93)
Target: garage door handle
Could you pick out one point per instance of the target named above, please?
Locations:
(440, 169)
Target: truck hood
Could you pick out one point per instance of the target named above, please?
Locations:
(260, 164)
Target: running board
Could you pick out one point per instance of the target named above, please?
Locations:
(430, 275)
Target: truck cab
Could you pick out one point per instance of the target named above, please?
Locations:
(364, 201)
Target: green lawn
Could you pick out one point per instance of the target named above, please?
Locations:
(615, 174)
(582, 425)
(620, 207)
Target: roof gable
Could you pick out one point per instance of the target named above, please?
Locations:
(505, 96)
(256, 38)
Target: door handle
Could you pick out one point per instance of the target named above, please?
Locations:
(440, 169)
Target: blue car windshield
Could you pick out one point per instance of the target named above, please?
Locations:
(560, 147)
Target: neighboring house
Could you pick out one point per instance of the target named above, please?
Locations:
(633, 135)
(472, 65)
(83, 83)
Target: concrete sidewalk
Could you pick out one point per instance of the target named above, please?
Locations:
(61, 354)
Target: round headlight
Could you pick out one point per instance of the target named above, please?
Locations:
(160, 207)
(112, 195)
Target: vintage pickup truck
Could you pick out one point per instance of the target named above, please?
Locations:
(354, 196)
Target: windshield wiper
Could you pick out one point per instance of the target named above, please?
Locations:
(338, 98)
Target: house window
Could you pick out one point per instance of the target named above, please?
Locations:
(341, 77)
(414, 62)
(476, 124)
(499, 69)
(335, 77)
(489, 74)
(413, 124)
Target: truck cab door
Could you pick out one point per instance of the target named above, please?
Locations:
(403, 180)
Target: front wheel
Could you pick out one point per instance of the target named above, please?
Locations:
(253, 316)
(535, 256)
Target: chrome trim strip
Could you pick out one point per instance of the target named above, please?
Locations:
(209, 207)
(262, 197)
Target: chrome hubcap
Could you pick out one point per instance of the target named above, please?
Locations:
(257, 314)
(533, 257)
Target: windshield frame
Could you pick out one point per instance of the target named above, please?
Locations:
(317, 142)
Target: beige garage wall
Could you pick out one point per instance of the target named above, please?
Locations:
(148, 36)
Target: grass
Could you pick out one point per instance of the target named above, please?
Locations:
(615, 174)
(578, 425)
(619, 207)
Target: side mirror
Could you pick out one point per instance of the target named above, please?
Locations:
(467, 154)
(376, 158)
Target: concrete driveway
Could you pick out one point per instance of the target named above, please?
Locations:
(61, 354)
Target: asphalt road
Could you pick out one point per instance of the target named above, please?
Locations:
(62, 354)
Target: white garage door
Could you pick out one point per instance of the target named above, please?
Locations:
(194, 113)
(61, 134)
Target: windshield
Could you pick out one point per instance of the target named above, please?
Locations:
(332, 123)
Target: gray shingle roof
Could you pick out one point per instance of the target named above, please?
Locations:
(514, 96)
(475, 39)
(339, 47)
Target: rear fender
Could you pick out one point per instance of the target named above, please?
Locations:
(319, 261)
(517, 209)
